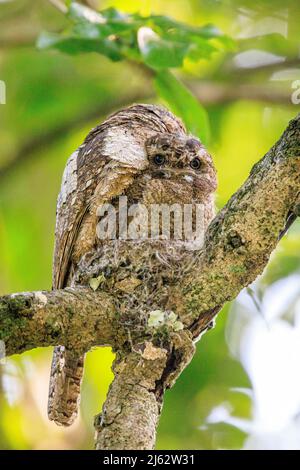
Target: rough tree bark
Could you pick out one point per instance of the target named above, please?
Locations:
(149, 358)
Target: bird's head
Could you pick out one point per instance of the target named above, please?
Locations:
(181, 158)
(149, 140)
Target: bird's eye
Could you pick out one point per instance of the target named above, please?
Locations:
(195, 164)
(159, 159)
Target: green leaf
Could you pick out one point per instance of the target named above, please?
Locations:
(183, 103)
(169, 24)
(113, 14)
(75, 45)
(160, 42)
(160, 53)
(80, 12)
(200, 49)
(109, 21)
(96, 281)
(188, 33)
(168, 42)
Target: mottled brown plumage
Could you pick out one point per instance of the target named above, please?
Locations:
(143, 153)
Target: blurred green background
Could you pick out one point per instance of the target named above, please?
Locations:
(52, 101)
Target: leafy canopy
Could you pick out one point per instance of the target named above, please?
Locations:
(159, 43)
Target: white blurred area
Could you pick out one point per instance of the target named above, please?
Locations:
(263, 333)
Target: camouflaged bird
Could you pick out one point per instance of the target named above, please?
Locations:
(144, 153)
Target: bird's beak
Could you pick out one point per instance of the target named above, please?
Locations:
(161, 173)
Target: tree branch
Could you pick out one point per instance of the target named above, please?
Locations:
(36, 319)
(130, 414)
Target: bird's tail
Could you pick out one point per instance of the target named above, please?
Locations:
(64, 390)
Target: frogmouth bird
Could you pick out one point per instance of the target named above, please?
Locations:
(143, 154)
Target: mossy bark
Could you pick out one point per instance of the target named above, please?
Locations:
(35, 319)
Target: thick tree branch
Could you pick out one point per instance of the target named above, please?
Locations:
(131, 412)
(130, 415)
(34, 319)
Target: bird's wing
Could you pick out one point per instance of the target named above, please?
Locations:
(90, 178)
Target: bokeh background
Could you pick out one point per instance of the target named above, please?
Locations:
(242, 389)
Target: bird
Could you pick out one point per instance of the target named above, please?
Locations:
(142, 153)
